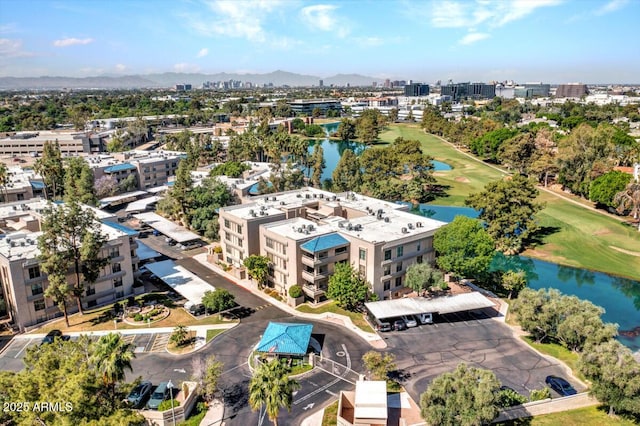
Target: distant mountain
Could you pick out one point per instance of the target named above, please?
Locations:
(169, 79)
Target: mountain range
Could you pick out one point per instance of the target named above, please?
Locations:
(169, 79)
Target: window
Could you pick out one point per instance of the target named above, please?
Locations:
(362, 270)
(20, 196)
(114, 252)
(387, 255)
(269, 242)
(239, 228)
(34, 272)
(116, 267)
(341, 250)
(117, 282)
(92, 303)
(119, 294)
(398, 281)
(227, 224)
(419, 245)
(387, 270)
(399, 267)
(363, 254)
(38, 305)
(387, 285)
(419, 259)
(399, 251)
(36, 289)
(91, 291)
(323, 255)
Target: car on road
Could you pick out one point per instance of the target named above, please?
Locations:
(399, 324)
(51, 337)
(560, 385)
(410, 321)
(160, 394)
(139, 394)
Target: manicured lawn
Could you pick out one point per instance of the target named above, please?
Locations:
(588, 416)
(213, 333)
(357, 318)
(559, 352)
(581, 238)
(330, 417)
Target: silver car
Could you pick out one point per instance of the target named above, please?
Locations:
(410, 321)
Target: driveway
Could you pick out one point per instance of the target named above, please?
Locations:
(424, 352)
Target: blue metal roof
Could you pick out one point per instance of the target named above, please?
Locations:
(37, 184)
(121, 228)
(119, 168)
(283, 338)
(324, 242)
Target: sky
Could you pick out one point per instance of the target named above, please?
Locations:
(553, 41)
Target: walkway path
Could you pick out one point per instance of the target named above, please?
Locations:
(373, 339)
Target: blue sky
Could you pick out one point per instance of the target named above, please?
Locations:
(553, 41)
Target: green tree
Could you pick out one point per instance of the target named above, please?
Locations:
(50, 167)
(488, 145)
(4, 180)
(271, 387)
(629, 200)
(346, 130)
(105, 186)
(179, 335)
(318, 164)
(508, 207)
(539, 394)
(347, 175)
(207, 371)
(111, 357)
(78, 182)
(369, 125)
(53, 264)
(380, 365)
(518, 152)
(116, 143)
(347, 287)
(509, 398)
(232, 169)
(514, 282)
(467, 396)
(128, 184)
(181, 188)
(464, 248)
(614, 375)
(218, 300)
(421, 277)
(604, 188)
(258, 268)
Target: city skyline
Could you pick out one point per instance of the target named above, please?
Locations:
(553, 41)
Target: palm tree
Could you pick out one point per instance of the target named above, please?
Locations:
(629, 199)
(4, 179)
(111, 357)
(271, 387)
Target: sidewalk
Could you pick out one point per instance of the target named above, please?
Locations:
(215, 414)
(372, 338)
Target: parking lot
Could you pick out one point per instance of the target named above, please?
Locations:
(426, 351)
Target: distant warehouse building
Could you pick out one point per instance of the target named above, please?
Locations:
(572, 90)
(306, 106)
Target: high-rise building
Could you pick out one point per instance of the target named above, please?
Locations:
(321, 83)
(459, 91)
(416, 89)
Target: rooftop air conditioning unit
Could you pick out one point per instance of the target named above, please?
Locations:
(273, 198)
(410, 226)
(386, 219)
(306, 231)
(379, 216)
(251, 212)
(304, 226)
(404, 230)
(307, 196)
(300, 230)
(310, 227)
(282, 203)
(419, 224)
(321, 195)
(340, 225)
(261, 212)
(333, 198)
(298, 195)
(349, 227)
(315, 195)
(380, 211)
(358, 227)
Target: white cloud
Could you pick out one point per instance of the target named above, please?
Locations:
(8, 28)
(611, 6)
(120, 67)
(494, 13)
(12, 48)
(202, 52)
(322, 17)
(71, 41)
(186, 67)
(473, 38)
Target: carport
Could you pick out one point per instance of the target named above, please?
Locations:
(116, 200)
(142, 204)
(418, 305)
(167, 228)
(189, 285)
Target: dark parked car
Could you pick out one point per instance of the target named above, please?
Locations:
(384, 326)
(399, 324)
(51, 336)
(560, 385)
(160, 394)
(139, 394)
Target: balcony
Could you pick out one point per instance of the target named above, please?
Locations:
(309, 261)
(313, 291)
(313, 277)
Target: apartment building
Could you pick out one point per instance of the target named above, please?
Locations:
(72, 143)
(23, 283)
(306, 232)
(21, 185)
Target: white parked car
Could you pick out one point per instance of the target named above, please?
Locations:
(410, 321)
(425, 318)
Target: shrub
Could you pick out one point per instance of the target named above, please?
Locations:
(540, 394)
(295, 291)
(131, 301)
(509, 398)
(217, 249)
(138, 317)
(166, 404)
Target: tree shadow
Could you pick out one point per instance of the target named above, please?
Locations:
(539, 236)
(236, 396)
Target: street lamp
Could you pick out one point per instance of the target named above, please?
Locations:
(173, 412)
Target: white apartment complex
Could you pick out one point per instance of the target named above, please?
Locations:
(306, 232)
(23, 283)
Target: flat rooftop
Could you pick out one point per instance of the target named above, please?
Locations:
(189, 285)
(418, 305)
(298, 228)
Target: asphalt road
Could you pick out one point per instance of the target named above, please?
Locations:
(424, 352)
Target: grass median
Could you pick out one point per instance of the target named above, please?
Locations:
(588, 416)
(580, 237)
(331, 307)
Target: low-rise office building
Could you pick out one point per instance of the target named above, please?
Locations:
(306, 232)
(306, 106)
(23, 283)
(71, 143)
(21, 185)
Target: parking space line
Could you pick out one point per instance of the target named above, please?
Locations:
(23, 348)
(151, 340)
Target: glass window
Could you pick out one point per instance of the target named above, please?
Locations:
(91, 291)
(399, 267)
(36, 289)
(38, 305)
(387, 285)
(419, 259)
(227, 224)
(398, 281)
(387, 270)
(387, 255)
(363, 254)
(341, 250)
(116, 267)
(399, 251)
(117, 282)
(34, 272)
(419, 245)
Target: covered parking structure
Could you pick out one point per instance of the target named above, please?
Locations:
(167, 228)
(187, 284)
(117, 200)
(142, 204)
(386, 309)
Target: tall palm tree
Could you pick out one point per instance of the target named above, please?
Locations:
(4, 179)
(111, 357)
(629, 199)
(271, 387)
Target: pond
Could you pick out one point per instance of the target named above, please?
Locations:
(439, 166)
(442, 213)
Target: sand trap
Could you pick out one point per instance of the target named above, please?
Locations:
(462, 179)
